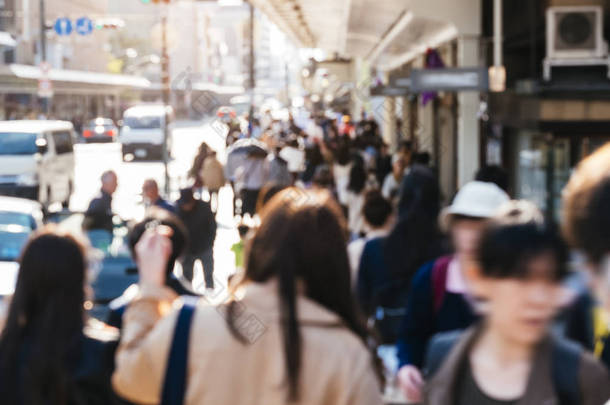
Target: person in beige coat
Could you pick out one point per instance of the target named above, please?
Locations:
(295, 336)
(213, 177)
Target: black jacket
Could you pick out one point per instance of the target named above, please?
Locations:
(201, 225)
(90, 370)
(118, 306)
(99, 213)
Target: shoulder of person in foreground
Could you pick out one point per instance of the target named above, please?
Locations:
(594, 381)
(349, 362)
(148, 326)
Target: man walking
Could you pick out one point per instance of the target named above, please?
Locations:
(150, 192)
(199, 219)
(99, 213)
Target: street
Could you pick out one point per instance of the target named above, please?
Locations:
(94, 158)
(408, 199)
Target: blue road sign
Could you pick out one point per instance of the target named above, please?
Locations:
(63, 26)
(84, 26)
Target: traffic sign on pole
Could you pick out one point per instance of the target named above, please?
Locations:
(63, 26)
(84, 26)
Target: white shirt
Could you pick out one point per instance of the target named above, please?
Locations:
(341, 175)
(390, 187)
(355, 249)
(355, 217)
(294, 157)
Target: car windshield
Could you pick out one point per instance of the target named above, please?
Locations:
(106, 122)
(16, 219)
(143, 122)
(17, 143)
(112, 245)
(11, 244)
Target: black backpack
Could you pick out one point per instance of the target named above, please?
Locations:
(564, 368)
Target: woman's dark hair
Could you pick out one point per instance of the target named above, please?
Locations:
(302, 238)
(493, 174)
(357, 178)
(42, 337)
(376, 208)
(415, 238)
(419, 193)
(422, 158)
(179, 237)
(323, 177)
(516, 235)
(266, 194)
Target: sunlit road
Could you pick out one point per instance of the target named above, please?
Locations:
(93, 159)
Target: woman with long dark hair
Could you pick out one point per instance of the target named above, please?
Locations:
(354, 198)
(295, 336)
(48, 354)
(388, 263)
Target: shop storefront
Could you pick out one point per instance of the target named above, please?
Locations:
(542, 141)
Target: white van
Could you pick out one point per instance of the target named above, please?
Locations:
(142, 131)
(37, 160)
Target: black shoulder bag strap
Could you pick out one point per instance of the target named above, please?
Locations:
(174, 386)
(565, 371)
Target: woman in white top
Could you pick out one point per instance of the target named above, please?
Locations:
(354, 199)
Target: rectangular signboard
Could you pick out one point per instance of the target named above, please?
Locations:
(404, 82)
(449, 79)
(389, 91)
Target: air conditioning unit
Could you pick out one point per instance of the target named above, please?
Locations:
(574, 37)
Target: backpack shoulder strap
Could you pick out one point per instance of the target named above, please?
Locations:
(565, 370)
(439, 281)
(174, 385)
(438, 350)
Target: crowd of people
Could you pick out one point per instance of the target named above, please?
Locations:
(480, 301)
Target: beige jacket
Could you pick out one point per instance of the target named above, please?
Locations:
(212, 174)
(336, 367)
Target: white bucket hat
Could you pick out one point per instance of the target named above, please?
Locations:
(476, 199)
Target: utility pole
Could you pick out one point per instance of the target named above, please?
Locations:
(251, 83)
(43, 30)
(165, 88)
(43, 51)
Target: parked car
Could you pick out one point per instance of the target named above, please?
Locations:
(37, 160)
(18, 219)
(112, 269)
(100, 130)
(142, 131)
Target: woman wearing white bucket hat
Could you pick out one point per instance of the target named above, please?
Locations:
(439, 300)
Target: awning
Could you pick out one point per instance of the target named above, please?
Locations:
(17, 79)
(203, 87)
(387, 33)
(80, 76)
(7, 40)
